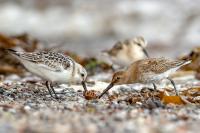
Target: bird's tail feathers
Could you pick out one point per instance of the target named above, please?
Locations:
(185, 63)
(11, 51)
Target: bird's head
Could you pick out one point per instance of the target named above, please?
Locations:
(82, 73)
(117, 79)
(141, 42)
(82, 76)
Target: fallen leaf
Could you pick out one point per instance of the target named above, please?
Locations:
(173, 99)
(133, 100)
(162, 94)
(10, 69)
(195, 91)
(9, 64)
(113, 97)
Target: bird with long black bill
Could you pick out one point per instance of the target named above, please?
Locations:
(147, 71)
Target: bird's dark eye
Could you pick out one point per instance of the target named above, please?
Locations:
(192, 53)
(82, 75)
(118, 78)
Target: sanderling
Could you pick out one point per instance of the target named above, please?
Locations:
(53, 67)
(145, 71)
(123, 53)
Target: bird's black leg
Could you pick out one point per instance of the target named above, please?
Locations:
(53, 90)
(47, 85)
(155, 89)
(154, 86)
(173, 83)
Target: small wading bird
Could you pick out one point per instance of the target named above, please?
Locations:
(123, 53)
(151, 70)
(53, 67)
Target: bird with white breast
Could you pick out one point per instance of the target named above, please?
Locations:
(53, 67)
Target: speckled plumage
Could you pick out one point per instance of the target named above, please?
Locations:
(152, 69)
(53, 67)
(145, 71)
(50, 59)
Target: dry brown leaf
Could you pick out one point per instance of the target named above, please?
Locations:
(162, 94)
(133, 100)
(10, 69)
(23, 40)
(195, 91)
(6, 42)
(113, 97)
(9, 64)
(173, 99)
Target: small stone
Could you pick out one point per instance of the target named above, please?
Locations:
(6, 93)
(91, 128)
(27, 107)
(153, 103)
(1, 90)
(119, 116)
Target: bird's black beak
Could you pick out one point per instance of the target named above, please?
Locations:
(143, 49)
(107, 89)
(84, 86)
(145, 52)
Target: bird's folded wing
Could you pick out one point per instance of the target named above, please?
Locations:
(161, 65)
(48, 60)
(55, 68)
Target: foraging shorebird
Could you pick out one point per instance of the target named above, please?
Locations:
(123, 53)
(53, 67)
(151, 70)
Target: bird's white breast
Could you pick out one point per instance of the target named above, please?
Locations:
(128, 55)
(54, 76)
